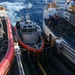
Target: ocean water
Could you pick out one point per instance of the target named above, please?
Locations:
(18, 8)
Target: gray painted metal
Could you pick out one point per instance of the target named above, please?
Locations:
(19, 62)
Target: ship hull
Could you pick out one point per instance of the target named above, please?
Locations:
(29, 46)
(66, 49)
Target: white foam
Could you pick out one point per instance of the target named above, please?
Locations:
(13, 8)
(29, 5)
(20, 0)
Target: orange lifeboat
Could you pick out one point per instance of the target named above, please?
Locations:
(28, 36)
(29, 48)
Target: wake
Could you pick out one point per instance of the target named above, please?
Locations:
(13, 9)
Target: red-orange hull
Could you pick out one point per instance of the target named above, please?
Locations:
(28, 47)
(7, 60)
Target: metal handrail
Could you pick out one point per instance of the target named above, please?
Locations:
(19, 62)
(67, 46)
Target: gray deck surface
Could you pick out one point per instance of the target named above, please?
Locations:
(64, 29)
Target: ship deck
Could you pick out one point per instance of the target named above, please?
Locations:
(64, 29)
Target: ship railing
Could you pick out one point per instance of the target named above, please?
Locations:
(45, 54)
(18, 58)
(68, 47)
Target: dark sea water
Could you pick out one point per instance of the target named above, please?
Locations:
(18, 8)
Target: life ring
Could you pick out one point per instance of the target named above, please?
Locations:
(52, 5)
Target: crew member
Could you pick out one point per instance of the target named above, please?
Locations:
(1, 27)
(18, 24)
(55, 20)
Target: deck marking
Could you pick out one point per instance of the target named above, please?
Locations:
(42, 69)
